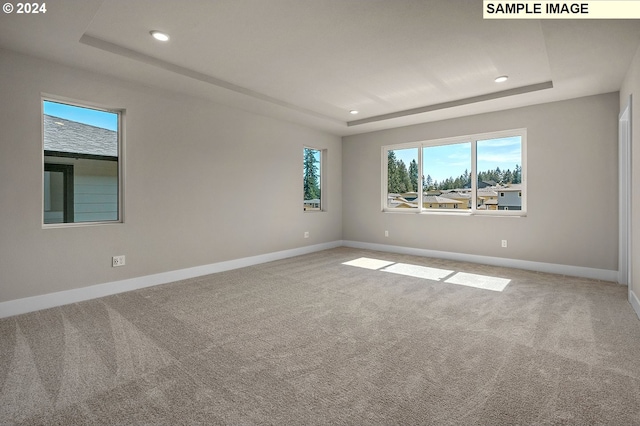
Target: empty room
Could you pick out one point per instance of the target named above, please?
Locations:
(351, 212)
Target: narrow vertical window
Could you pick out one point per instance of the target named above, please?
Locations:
(81, 164)
(402, 178)
(312, 179)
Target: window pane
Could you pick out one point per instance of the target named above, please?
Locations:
(446, 175)
(53, 197)
(499, 174)
(312, 179)
(81, 161)
(402, 178)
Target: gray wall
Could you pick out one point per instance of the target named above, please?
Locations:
(631, 86)
(206, 183)
(203, 183)
(572, 188)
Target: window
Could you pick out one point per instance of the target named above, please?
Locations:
(312, 179)
(455, 160)
(82, 162)
(500, 167)
(475, 174)
(402, 178)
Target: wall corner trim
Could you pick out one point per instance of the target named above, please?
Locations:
(552, 268)
(635, 302)
(51, 300)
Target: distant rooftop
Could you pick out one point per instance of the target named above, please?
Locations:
(63, 135)
(437, 199)
(456, 195)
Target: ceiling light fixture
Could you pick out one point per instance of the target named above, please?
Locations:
(501, 79)
(353, 112)
(159, 35)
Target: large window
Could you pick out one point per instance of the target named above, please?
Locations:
(312, 179)
(82, 161)
(477, 174)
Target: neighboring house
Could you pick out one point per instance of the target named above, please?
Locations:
(441, 202)
(398, 201)
(489, 204)
(510, 198)
(428, 201)
(410, 196)
(80, 172)
(487, 199)
(312, 204)
(487, 184)
(458, 195)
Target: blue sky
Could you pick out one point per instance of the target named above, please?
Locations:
(93, 117)
(504, 153)
(444, 161)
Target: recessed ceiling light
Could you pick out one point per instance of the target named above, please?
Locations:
(353, 111)
(501, 79)
(159, 35)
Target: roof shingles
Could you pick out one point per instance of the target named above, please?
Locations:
(63, 135)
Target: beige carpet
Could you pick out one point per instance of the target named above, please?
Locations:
(310, 340)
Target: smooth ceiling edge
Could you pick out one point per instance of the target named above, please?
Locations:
(186, 72)
(456, 103)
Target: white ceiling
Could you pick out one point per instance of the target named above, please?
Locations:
(312, 61)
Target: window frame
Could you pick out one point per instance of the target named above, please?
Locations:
(473, 139)
(121, 112)
(321, 181)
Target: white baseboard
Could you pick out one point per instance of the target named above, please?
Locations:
(635, 302)
(575, 271)
(45, 301)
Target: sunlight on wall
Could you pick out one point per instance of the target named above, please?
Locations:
(483, 282)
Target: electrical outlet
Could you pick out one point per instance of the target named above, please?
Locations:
(117, 261)
(386, 233)
(504, 243)
(306, 234)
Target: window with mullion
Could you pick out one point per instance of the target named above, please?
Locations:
(476, 174)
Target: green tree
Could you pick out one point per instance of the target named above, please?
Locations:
(507, 176)
(428, 183)
(311, 174)
(517, 174)
(393, 183)
(413, 175)
(403, 177)
(466, 178)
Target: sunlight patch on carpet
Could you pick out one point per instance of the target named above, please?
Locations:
(484, 282)
(479, 281)
(368, 263)
(418, 271)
